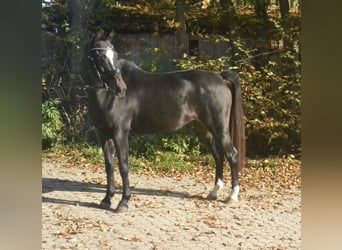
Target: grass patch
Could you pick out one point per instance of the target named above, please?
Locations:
(159, 161)
(165, 162)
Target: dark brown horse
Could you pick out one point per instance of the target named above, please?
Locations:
(123, 98)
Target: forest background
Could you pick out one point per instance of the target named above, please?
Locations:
(262, 38)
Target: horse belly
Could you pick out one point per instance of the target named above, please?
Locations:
(162, 120)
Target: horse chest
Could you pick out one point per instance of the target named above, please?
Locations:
(101, 117)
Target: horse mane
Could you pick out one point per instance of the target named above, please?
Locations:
(129, 64)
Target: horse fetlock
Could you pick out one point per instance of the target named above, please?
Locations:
(235, 193)
(213, 194)
(110, 193)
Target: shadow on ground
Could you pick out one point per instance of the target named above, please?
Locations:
(53, 184)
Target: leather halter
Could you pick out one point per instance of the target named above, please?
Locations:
(103, 77)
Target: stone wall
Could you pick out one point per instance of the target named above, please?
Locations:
(142, 48)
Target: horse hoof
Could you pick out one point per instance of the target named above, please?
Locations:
(211, 197)
(231, 201)
(121, 209)
(105, 205)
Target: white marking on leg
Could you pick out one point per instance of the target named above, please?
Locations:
(235, 192)
(219, 184)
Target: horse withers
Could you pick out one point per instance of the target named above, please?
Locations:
(123, 98)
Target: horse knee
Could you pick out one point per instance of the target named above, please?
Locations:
(124, 171)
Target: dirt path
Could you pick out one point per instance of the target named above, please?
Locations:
(164, 213)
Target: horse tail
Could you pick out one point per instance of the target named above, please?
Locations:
(237, 126)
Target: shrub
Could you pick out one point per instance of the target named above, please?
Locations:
(272, 106)
(184, 141)
(152, 64)
(52, 125)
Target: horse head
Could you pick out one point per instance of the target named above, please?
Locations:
(105, 62)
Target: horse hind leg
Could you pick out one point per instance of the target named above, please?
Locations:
(217, 149)
(231, 154)
(218, 157)
(232, 159)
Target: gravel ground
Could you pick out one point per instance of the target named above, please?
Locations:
(164, 213)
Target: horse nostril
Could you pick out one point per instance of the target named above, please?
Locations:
(119, 92)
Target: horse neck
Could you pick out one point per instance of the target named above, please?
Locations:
(130, 66)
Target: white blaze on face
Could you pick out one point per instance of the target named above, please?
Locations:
(110, 56)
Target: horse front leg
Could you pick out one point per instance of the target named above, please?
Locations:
(108, 151)
(121, 143)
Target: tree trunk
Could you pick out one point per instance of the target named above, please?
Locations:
(284, 8)
(231, 22)
(181, 35)
(228, 4)
(263, 36)
(230, 17)
(260, 7)
(80, 13)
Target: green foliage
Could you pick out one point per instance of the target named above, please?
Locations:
(52, 125)
(86, 153)
(182, 142)
(272, 106)
(57, 17)
(152, 64)
(170, 161)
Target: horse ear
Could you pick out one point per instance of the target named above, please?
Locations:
(99, 34)
(111, 35)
